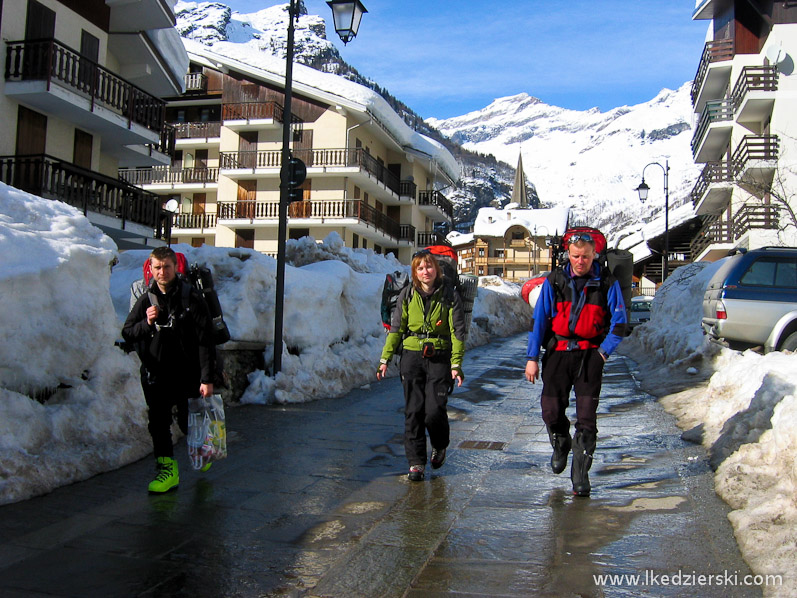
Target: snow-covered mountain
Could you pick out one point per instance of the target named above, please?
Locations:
(588, 160)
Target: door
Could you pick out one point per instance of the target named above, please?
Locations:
(31, 141)
(247, 149)
(245, 238)
(89, 59)
(247, 192)
(198, 210)
(198, 171)
(81, 153)
(39, 25)
(303, 146)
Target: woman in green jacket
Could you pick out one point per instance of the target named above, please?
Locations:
(429, 323)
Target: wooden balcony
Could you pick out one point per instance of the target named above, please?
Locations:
(86, 190)
(710, 142)
(754, 79)
(407, 233)
(196, 83)
(197, 130)
(325, 212)
(720, 231)
(54, 63)
(314, 158)
(713, 51)
(713, 187)
(168, 175)
(408, 189)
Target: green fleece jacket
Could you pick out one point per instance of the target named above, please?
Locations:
(444, 323)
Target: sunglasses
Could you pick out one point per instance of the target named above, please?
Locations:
(421, 253)
(580, 237)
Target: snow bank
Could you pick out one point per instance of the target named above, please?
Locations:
(745, 415)
(58, 329)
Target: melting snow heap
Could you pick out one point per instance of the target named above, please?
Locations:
(57, 325)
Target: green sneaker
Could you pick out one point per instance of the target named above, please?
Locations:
(206, 466)
(168, 477)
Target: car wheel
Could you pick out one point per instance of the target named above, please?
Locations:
(790, 344)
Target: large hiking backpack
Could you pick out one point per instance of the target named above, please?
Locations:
(617, 261)
(465, 284)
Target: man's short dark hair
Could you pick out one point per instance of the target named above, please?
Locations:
(162, 253)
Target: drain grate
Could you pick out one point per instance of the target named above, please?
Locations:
(482, 445)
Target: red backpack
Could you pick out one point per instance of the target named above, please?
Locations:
(182, 267)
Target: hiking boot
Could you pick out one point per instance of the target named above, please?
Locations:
(168, 476)
(561, 448)
(416, 473)
(438, 458)
(583, 448)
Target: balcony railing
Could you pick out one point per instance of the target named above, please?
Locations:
(197, 130)
(714, 51)
(431, 238)
(52, 61)
(319, 158)
(719, 231)
(755, 147)
(715, 111)
(86, 190)
(407, 189)
(435, 198)
(754, 78)
(165, 175)
(318, 210)
(196, 82)
(407, 233)
(713, 172)
(253, 111)
(194, 221)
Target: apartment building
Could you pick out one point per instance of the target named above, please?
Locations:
(81, 97)
(370, 178)
(745, 99)
(513, 242)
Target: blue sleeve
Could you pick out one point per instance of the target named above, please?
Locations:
(617, 309)
(543, 312)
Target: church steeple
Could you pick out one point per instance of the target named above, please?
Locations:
(519, 193)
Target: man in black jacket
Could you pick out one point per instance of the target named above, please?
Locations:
(171, 328)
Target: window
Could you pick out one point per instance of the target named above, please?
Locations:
(355, 241)
(298, 233)
(197, 241)
(771, 272)
(377, 249)
(365, 243)
(40, 23)
(481, 251)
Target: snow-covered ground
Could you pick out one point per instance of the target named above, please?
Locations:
(71, 405)
(744, 405)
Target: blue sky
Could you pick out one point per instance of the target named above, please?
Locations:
(445, 58)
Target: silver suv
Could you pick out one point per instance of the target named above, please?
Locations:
(752, 300)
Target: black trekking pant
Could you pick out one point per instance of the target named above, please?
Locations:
(563, 371)
(162, 396)
(426, 382)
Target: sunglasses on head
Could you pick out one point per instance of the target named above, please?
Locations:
(580, 237)
(421, 253)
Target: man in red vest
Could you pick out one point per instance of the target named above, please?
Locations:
(580, 318)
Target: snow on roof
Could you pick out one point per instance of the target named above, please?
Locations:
(458, 239)
(327, 87)
(494, 222)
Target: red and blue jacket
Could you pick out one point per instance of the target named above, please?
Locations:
(566, 319)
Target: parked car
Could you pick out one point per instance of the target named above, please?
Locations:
(751, 300)
(639, 312)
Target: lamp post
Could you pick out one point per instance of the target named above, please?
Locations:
(643, 190)
(346, 15)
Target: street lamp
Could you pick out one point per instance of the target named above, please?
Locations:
(643, 190)
(347, 15)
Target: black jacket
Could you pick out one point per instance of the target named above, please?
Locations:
(180, 343)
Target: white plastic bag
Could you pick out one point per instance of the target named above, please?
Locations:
(207, 431)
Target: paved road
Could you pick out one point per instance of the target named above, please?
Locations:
(313, 501)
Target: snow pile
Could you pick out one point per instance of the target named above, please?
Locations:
(745, 415)
(57, 326)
